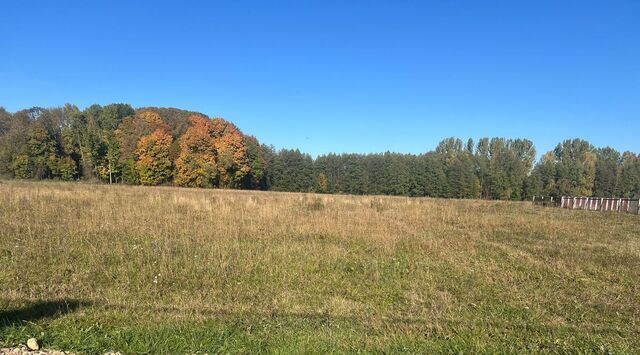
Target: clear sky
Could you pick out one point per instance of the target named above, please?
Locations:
(341, 76)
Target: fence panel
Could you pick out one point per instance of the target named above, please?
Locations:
(600, 204)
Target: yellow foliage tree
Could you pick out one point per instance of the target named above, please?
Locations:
(154, 164)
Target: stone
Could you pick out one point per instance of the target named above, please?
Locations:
(33, 344)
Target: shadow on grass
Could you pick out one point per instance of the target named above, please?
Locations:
(35, 311)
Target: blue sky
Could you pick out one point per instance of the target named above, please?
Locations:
(341, 76)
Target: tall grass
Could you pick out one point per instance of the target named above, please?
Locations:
(185, 270)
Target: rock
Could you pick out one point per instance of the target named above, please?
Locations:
(33, 344)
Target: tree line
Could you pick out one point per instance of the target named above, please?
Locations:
(152, 146)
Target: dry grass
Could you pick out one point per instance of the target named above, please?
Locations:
(186, 270)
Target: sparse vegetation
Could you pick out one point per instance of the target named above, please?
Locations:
(95, 268)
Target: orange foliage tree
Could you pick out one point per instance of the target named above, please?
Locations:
(233, 164)
(196, 163)
(154, 164)
(214, 152)
(129, 133)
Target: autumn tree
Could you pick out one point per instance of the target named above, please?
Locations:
(154, 165)
(129, 133)
(219, 144)
(196, 163)
(232, 160)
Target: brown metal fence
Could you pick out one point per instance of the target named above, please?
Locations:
(601, 204)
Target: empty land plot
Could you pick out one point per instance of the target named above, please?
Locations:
(92, 268)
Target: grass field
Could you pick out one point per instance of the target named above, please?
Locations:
(92, 268)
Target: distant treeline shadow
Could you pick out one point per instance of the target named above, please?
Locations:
(39, 310)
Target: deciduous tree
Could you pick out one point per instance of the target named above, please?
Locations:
(196, 163)
(154, 165)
